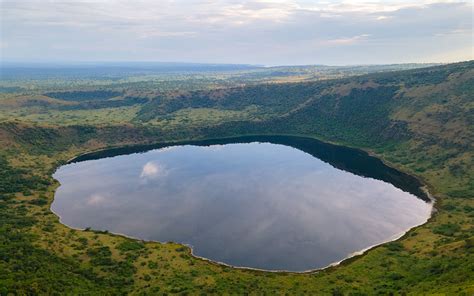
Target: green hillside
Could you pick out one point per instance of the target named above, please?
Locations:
(420, 121)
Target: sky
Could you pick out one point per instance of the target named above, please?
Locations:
(264, 32)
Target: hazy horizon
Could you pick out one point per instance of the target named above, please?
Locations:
(39, 64)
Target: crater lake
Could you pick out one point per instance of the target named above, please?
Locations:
(265, 202)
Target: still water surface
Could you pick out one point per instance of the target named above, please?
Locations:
(252, 204)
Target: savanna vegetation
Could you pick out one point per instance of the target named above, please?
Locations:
(420, 121)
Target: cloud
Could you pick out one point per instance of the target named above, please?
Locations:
(156, 33)
(153, 170)
(347, 41)
(229, 31)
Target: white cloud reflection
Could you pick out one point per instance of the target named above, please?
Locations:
(153, 170)
(96, 199)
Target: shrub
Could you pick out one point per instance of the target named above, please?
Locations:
(395, 246)
(448, 229)
(129, 245)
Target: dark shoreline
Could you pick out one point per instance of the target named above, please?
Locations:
(352, 160)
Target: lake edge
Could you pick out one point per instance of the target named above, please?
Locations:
(143, 148)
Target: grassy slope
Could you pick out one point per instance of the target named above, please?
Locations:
(419, 121)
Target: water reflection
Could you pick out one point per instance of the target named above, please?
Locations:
(258, 205)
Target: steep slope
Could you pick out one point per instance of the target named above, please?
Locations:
(420, 119)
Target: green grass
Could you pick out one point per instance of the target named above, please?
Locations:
(202, 117)
(107, 116)
(385, 114)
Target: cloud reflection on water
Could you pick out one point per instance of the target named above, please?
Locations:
(153, 170)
